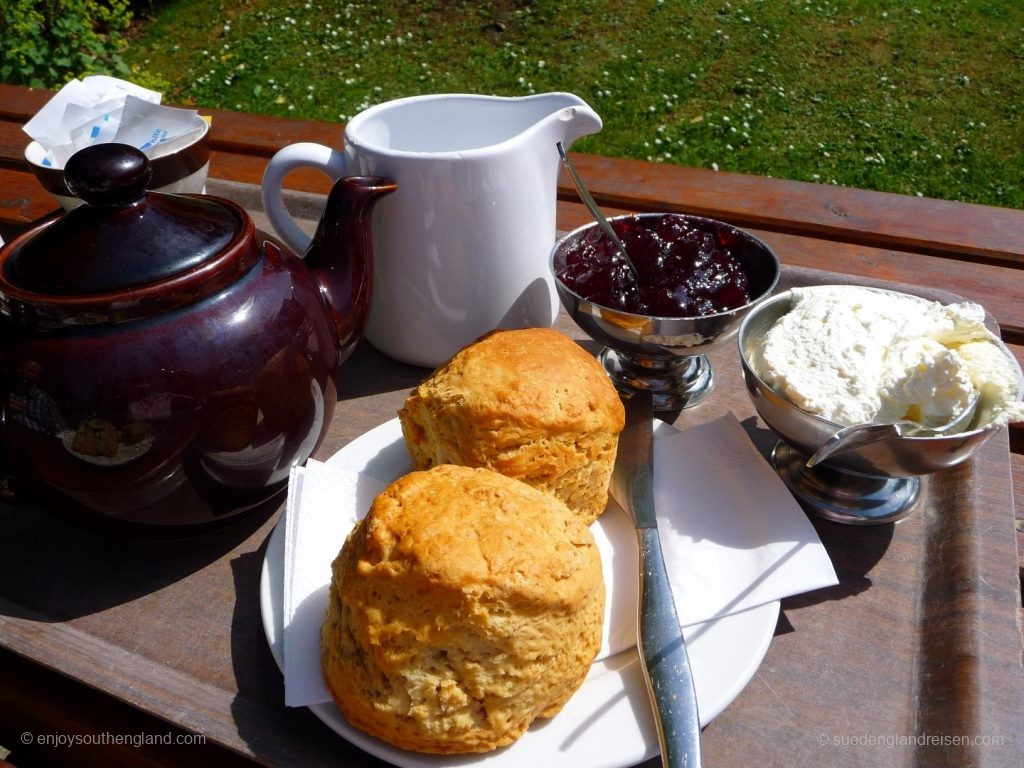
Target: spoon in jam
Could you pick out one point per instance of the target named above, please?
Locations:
(596, 213)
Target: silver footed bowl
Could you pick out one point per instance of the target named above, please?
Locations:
(872, 483)
(666, 355)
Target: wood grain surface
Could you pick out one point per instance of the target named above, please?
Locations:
(919, 638)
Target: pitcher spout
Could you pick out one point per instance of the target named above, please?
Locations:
(340, 255)
(569, 119)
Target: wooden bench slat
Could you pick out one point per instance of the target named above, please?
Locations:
(18, 103)
(22, 200)
(263, 135)
(13, 141)
(925, 225)
(248, 169)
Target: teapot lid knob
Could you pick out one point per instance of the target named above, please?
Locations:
(108, 174)
(124, 238)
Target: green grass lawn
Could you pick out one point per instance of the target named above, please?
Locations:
(911, 97)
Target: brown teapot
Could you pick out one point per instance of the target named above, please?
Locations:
(163, 364)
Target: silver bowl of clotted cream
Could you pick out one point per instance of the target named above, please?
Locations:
(874, 483)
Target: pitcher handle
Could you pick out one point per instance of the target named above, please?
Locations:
(302, 155)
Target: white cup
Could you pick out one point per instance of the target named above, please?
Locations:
(179, 167)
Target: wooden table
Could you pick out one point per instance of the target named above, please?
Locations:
(916, 650)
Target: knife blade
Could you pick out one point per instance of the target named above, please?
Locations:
(660, 639)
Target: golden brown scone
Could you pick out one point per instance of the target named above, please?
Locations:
(95, 437)
(531, 404)
(462, 607)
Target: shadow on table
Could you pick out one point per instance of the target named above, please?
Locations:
(371, 372)
(273, 732)
(54, 571)
(854, 550)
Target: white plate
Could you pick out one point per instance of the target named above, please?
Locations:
(607, 723)
(125, 451)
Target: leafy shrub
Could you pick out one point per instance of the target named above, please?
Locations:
(49, 42)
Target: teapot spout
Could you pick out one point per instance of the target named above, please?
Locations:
(340, 255)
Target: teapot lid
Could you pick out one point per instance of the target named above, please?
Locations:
(121, 237)
(126, 253)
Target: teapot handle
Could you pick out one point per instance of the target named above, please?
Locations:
(301, 155)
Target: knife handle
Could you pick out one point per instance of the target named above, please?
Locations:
(665, 662)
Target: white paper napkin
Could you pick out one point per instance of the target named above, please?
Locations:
(324, 502)
(100, 109)
(733, 538)
(732, 534)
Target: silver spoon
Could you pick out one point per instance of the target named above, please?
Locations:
(857, 435)
(596, 213)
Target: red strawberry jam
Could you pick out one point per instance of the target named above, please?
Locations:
(683, 270)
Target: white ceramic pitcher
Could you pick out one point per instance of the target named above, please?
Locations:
(462, 247)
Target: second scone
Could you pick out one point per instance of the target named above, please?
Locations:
(530, 404)
(462, 607)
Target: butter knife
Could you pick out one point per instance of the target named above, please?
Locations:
(659, 637)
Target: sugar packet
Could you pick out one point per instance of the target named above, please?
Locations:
(100, 109)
